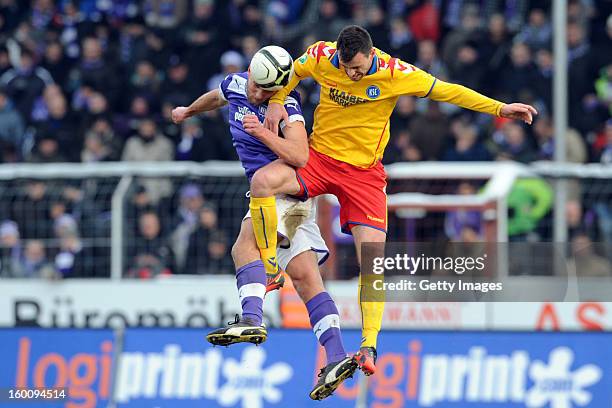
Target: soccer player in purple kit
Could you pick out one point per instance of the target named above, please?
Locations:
(302, 246)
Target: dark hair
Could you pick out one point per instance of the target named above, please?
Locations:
(352, 40)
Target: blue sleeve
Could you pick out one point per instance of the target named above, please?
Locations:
(293, 105)
(224, 84)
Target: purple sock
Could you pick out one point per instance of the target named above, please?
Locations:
(251, 282)
(325, 324)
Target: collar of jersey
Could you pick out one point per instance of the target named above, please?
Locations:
(335, 60)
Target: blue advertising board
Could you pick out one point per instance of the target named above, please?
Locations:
(79, 360)
(176, 368)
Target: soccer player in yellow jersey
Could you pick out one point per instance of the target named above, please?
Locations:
(360, 86)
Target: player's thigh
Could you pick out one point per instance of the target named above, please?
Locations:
(363, 203)
(244, 250)
(364, 234)
(303, 269)
(274, 178)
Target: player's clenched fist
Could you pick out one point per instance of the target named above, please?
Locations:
(179, 114)
(253, 126)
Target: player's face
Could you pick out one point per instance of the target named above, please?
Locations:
(255, 94)
(359, 66)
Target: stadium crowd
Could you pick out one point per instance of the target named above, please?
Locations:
(93, 80)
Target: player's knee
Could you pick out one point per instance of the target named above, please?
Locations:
(263, 183)
(242, 251)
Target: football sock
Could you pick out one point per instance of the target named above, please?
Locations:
(251, 282)
(264, 218)
(325, 323)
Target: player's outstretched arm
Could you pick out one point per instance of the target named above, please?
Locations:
(292, 149)
(209, 101)
(470, 99)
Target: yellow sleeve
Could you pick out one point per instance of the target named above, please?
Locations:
(465, 97)
(303, 67)
(410, 80)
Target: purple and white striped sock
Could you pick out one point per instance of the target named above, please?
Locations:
(325, 323)
(251, 282)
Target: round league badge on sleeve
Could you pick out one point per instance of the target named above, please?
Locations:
(373, 92)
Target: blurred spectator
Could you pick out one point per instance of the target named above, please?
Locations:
(586, 261)
(520, 74)
(56, 63)
(46, 150)
(231, 62)
(219, 260)
(403, 114)
(529, 201)
(458, 221)
(11, 123)
(149, 145)
(139, 111)
(545, 136)
(149, 255)
(24, 83)
(101, 143)
(192, 145)
(376, 25)
(249, 46)
(329, 22)
(429, 61)
(146, 81)
(5, 62)
(495, 50)
(31, 210)
(207, 249)
(604, 144)
(538, 32)
(178, 86)
(581, 73)
(603, 87)
(403, 149)
(467, 67)
(164, 14)
(512, 144)
(72, 259)
(185, 221)
(543, 77)
(429, 130)
(93, 69)
(204, 38)
(139, 203)
(461, 34)
(11, 251)
(60, 128)
(424, 22)
(35, 263)
(467, 146)
(133, 45)
(401, 41)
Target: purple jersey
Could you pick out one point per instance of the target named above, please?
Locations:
(252, 153)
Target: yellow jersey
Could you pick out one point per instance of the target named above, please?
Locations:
(351, 122)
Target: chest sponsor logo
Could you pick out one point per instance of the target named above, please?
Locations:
(344, 98)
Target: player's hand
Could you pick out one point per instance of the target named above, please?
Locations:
(253, 127)
(275, 113)
(179, 114)
(518, 111)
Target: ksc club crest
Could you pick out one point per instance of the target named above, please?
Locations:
(373, 92)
